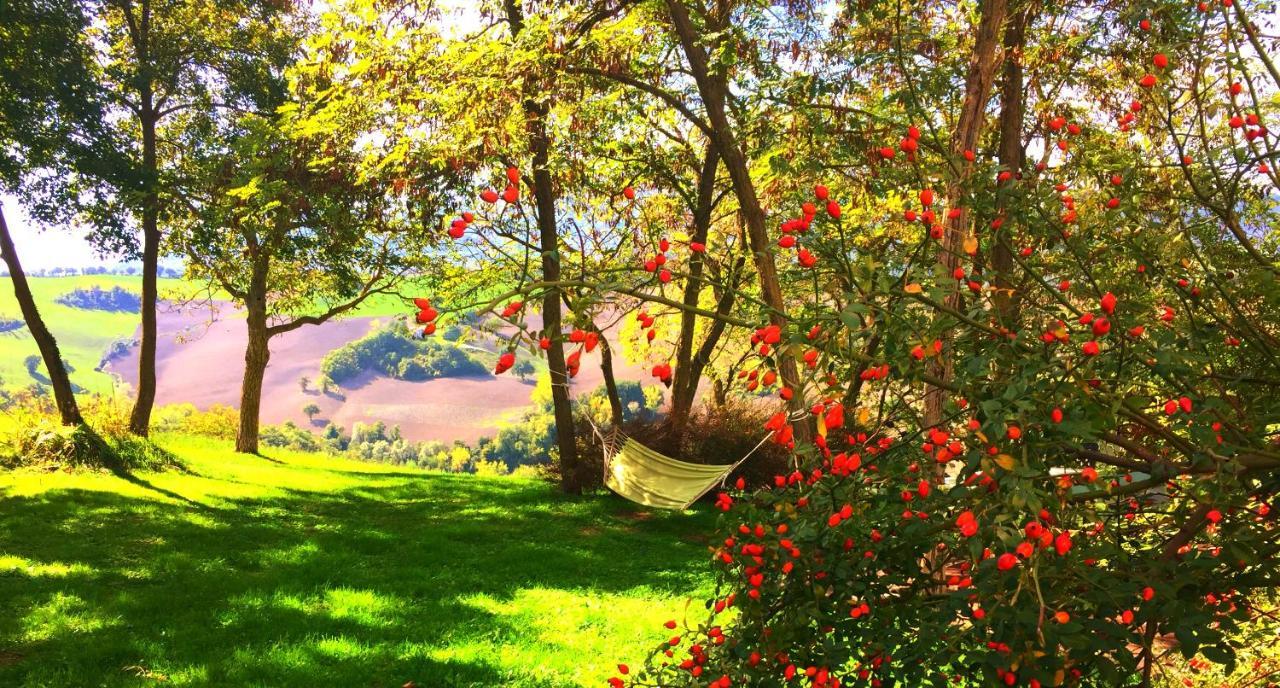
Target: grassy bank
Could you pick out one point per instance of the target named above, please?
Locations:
(299, 570)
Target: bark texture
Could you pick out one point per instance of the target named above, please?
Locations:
(63, 394)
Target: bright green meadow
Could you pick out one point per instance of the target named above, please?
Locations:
(305, 570)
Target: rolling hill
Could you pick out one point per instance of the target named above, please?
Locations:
(200, 357)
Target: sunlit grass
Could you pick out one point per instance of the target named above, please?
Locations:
(300, 570)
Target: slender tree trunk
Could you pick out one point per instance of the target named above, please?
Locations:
(140, 419)
(535, 110)
(720, 392)
(682, 406)
(978, 86)
(62, 392)
(610, 382)
(1012, 158)
(257, 353)
(685, 383)
(714, 94)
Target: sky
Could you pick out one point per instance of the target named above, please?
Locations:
(54, 247)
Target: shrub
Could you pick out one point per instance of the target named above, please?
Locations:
(490, 468)
(290, 436)
(218, 421)
(33, 436)
(1059, 468)
(725, 434)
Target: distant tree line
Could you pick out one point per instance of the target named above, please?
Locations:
(122, 269)
(95, 298)
(394, 352)
(515, 449)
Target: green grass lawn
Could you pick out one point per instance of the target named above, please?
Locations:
(301, 570)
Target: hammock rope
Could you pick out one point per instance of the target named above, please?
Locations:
(647, 477)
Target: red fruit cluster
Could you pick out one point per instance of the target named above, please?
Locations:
(426, 315)
(511, 194)
(659, 259)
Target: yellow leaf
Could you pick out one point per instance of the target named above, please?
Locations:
(822, 426)
(864, 415)
(971, 245)
(913, 288)
(982, 437)
(1005, 461)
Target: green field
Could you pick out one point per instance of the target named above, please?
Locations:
(300, 570)
(84, 335)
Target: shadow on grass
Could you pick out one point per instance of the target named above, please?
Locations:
(375, 585)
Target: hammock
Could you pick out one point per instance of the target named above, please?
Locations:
(646, 477)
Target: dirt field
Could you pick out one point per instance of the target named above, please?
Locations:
(200, 358)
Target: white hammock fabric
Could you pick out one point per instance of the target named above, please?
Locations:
(646, 477)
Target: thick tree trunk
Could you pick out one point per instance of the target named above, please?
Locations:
(62, 391)
(535, 110)
(140, 419)
(1012, 158)
(714, 94)
(978, 86)
(685, 384)
(257, 354)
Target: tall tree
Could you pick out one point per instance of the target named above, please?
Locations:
(285, 226)
(174, 67)
(713, 87)
(50, 128)
(534, 101)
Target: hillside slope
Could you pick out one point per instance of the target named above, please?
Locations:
(83, 335)
(299, 570)
(200, 354)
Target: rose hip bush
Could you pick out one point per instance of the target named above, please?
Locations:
(1039, 442)
(1095, 498)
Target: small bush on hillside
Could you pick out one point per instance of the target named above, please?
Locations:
(395, 352)
(491, 468)
(219, 421)
(115, 300)
(33, 436)
(117, 349)
(290, 436)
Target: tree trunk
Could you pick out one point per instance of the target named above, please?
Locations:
(62, 392)
(610, 382)
(978, 85)
(535, 111)
(682, 406)
(140, 419)
(685, 384)
(713, 91)
(256, 355)
(1012, 158)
